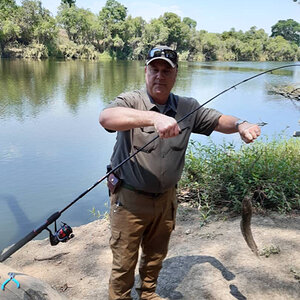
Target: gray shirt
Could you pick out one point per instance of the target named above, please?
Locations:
(158, 167)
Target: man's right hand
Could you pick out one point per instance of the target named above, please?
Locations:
(165, 126)
(123, 118)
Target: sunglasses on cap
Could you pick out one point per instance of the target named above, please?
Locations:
(160, 52)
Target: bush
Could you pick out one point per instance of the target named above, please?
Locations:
(73, 51)
(35, 51)
(184, 56)
(13, 50)
(105, 56)
(268, 171)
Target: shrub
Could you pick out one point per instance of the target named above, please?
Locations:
(36, 51)
(221, 175)
(73, 51)
(105, 56)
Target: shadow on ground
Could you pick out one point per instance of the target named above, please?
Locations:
(177, 268)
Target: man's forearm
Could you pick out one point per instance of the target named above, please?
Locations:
(123, 118)
(227, 124)
(248, 131)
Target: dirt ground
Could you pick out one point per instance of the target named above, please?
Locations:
(204, 262)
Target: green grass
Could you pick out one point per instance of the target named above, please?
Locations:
(221, 175)
(97, 213)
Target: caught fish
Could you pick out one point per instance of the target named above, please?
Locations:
(246, 224)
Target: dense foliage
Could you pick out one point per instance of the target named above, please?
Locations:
(221, 175)
(79, 33)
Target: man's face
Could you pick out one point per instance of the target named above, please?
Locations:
(160, 79)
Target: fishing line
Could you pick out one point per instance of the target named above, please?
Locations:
(56, 215)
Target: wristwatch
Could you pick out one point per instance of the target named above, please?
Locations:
(239, 122)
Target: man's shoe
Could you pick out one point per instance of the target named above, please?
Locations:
(152, 296)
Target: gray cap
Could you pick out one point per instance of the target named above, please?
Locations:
(163, 52)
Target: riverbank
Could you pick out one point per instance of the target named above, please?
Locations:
(204, 262)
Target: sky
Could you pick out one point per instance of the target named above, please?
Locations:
(211, 15)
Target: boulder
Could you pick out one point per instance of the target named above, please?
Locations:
(30, 287)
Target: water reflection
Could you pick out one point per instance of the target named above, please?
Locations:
(22, 80)
(27, 87)
(245, 67)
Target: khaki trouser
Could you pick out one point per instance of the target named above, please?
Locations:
(137, 220)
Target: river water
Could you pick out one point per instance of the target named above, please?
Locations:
(52, 148)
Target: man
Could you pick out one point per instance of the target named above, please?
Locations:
(143, 207)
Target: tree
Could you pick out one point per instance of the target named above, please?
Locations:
(6, 5)
(190, 22)
(9, 27)
(80, 24)
(279, 49)
(36, 23)
(69, 2)
(112, 20)
(211, 43)
(232, 33)
(155, 34)
(173, 24)
(288, 29)
(135, 29)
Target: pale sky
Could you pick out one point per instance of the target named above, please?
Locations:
(211, 15)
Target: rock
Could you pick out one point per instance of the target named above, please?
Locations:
(30, 287)
(188, 231)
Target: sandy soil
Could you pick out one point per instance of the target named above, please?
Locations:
(204, 262)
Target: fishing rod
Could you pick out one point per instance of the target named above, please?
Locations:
(64, 233)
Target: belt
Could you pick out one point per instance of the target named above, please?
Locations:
(131, 188)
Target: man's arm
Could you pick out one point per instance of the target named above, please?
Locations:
(124, 118)
(248, 131)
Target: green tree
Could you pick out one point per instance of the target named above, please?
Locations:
(233, 48)
(68, 2)
(211, 44)
(80, 24)
(279, 49)
(9, 29)
(288, 29)
(254, 43)
(189, 22)
(232, 33)
(172, 22)
(155, 34)
(253, 34)
(36, 23)
(134, 46)
(112, 21)
(7, 5)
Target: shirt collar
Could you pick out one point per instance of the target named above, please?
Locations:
(171, 104)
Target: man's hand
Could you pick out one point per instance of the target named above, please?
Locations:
(248, 132)
(124, 118)
(165, 126)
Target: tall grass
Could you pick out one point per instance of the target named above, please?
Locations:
(221, 175)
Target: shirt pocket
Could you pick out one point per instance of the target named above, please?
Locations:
(179, 142)
(145, 139)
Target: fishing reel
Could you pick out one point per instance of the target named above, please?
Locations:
(63, 234)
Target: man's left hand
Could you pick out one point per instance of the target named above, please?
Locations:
(249, 132)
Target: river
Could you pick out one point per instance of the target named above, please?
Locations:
(52, 147)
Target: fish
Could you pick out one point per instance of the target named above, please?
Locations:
(246, 224)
